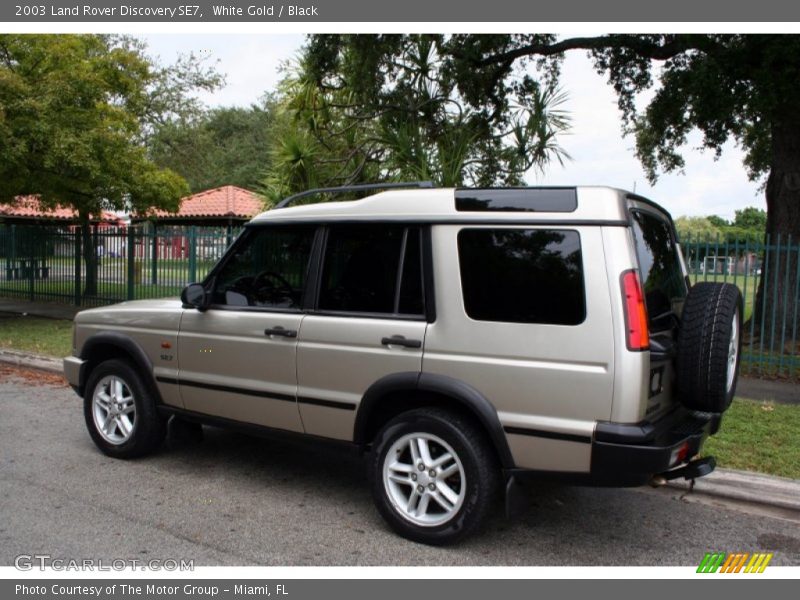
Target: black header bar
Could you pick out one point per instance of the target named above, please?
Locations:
(363, 11)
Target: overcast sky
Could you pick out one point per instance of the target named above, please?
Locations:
(600, 155)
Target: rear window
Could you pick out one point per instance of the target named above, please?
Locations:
(660, 268)
(522, 275)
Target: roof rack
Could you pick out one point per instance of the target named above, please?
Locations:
(353, 188)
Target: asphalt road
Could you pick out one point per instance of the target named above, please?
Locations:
(238, 500)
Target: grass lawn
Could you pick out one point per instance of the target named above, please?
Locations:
(758, 436)
(51, 337)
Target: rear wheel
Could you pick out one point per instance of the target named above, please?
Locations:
(434, 475)
(709, 346)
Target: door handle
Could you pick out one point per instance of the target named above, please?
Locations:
(287, 333)
(399, 340)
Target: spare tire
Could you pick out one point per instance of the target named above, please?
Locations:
(709, 346)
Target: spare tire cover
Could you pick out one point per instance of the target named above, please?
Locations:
(709, 346)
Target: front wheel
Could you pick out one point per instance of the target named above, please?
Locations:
(434, 475)
(120, 411)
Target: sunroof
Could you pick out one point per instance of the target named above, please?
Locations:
(517, 200)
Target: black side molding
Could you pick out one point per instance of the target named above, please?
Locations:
(551, 435)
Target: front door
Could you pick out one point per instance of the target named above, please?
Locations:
(238, 358)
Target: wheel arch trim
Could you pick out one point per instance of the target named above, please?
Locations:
(128, 346)
(454, 389)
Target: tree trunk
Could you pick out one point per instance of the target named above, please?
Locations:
(777, 298)
(89, 257)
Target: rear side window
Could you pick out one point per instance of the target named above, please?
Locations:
(522, 275)
(660, 268)
(374, 269)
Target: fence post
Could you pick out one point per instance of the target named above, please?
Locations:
(154, 257)
(131, 259)
(77, 282)
(192, 254)
(31, 265)
(14, 263)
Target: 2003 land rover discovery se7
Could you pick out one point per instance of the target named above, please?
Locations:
(462, 337)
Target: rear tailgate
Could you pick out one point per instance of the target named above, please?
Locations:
(665, 286)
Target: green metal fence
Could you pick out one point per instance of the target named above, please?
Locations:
(771, 336)
(48, 264)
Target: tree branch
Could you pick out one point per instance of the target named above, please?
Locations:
(671, 47)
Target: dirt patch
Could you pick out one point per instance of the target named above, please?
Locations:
(31, 376)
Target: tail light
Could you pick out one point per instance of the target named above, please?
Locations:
(637, 334)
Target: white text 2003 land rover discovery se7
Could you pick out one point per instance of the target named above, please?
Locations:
(464, 338)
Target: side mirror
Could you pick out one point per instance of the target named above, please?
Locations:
(194, 296)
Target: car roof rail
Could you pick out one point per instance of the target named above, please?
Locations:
(353, 188)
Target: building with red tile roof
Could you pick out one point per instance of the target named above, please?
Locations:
(28, 211)
(226, 205)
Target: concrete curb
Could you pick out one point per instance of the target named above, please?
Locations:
(745, 486)
(31, 361)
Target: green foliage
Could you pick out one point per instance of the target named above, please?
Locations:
(749, 225)
(392, 107)
(751, 218)
(223, 146)
(696, 228)
(718, 221)
(74, 112)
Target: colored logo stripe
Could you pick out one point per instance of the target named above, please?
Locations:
(734, 562)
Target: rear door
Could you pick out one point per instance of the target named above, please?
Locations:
(665, 290)
(367, 321)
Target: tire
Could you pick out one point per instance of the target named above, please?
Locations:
(709, 346)
(467, 483)
(117, 392)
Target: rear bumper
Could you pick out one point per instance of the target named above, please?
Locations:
(631, 454)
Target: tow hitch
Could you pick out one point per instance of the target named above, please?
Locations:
(692, 470)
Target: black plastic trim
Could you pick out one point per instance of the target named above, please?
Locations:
(257, 393)
(124, 343)
(326, 403)
(455, 389)
(552, 435)
(363, 187)
(252, 428)
(646, 449)
(228, 388)
(427, 274)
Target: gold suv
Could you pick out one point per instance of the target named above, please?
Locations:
(463, 338)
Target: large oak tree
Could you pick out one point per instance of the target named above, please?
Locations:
(744, 88)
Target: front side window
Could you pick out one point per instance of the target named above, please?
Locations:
(522, 275)
(659, 264)
(373, 269)
(267, 269)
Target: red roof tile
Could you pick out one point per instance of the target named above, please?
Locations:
(225, 201)
(28, 207)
